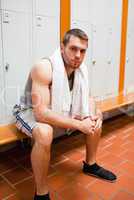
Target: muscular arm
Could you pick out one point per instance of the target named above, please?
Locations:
(41, 80)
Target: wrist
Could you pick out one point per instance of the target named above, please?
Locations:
(78, 124)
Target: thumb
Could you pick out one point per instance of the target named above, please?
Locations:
(94, 117)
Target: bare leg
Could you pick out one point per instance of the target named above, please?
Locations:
(40, 156)
(92, 142)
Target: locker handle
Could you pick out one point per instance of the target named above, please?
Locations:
(109, 62)
(6, 22)
(7, 66)
(127, 60)
(94, 62)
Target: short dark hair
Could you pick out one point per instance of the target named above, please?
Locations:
(75, 32)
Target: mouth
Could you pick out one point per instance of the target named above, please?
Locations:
(76, 62)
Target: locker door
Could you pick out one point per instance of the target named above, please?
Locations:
(47, 7)
(15, 5)
(80, 10)
(105, 55)
(17, 57)
(46, 36)
(105, 47)
(129, 70)
(99, 66)
(1, 79)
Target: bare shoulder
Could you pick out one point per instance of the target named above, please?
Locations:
(42, 72)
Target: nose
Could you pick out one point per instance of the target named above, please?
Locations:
(78, 54)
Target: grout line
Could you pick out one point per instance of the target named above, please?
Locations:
(128, 129)
(8, 170)
(57, 163)
(9, 183)
(23, 180)
(11, 195)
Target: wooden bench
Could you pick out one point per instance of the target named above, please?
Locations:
(113, 103)
(10, 133)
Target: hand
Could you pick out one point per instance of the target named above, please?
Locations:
(98, 124)
(98, 118)
(87, 126)
(99, 114)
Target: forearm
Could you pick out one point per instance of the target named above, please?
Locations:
(55, 119)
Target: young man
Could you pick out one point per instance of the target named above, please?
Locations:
(56, 95)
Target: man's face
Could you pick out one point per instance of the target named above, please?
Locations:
(74, 52)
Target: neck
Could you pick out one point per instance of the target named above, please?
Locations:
(69, 70)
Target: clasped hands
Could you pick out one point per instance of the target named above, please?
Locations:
(92, 123)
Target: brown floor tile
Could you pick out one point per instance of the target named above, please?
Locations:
(76, 191)
(59, 181)
(131, 137)
(56, 159)
(52, 171)
(128, 155)
(17, 175)
(128, 167)
(60, 149)
(26, 189)
(111, 159)
(13, 197)
(103, 188)
(83, 179)
(74, 156)
(5, 189)
(19, 153)
(123, 195)
(1, 178)
(6, 164)
(81, 149)
(129, 145)
(26, 162)
(126, 183)
(69, 167)
(54, 195)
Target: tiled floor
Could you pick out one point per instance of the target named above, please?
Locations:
(66, 180)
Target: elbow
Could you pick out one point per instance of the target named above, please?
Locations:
(37, 115)
(40, 114)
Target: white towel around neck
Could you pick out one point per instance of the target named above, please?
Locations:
(77, 105)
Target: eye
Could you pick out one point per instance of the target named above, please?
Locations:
(83, 51)
(73, 48)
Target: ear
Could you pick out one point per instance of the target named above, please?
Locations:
(62, 47)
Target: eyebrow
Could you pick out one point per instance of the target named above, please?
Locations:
(83, 49)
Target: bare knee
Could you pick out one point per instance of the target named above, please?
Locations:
(98, 131)
(43, 135)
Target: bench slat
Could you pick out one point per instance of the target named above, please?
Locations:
(10, 133)
(115, 102)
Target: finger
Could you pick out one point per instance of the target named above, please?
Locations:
(98, 124)
(91, 130)
(94, 117)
